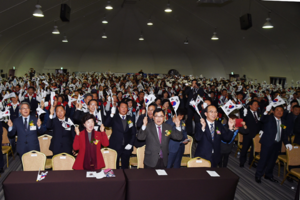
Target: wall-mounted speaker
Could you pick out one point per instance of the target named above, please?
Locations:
(246, 21)
(65, 12)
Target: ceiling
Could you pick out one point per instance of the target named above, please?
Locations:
(27, 41)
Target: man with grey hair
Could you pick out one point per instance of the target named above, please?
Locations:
(28, 127)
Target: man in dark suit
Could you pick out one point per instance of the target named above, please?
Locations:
(192, 93)
(28, 128)
(252, 119)
(123, 133)
(209, 133)
(139, 143)
(157, 135)
(30, 98)
(62, 138)
(293, 120)
(176, 148)
(273, 136)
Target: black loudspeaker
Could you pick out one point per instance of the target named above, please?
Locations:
(65, 12)
(246, 21)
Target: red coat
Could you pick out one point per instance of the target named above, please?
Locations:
(79, 144)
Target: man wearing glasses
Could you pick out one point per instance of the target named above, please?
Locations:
(209, 133)
(28, 128)
(157, 135)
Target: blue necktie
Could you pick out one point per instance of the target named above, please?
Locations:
(212, 130)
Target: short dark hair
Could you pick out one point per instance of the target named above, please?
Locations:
(87, 117)
(274, 108)
(59, 106)
(296, 106)
(153, 104)
(88, 95)
(181, 111)
(93, 100)
(209, 106)
(31, 88)
(157, 110)
(124, 102)
(253, 101)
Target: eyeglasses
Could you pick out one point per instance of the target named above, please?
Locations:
(212, 112)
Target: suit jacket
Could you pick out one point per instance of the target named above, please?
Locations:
(14, 113)
(270, 130)
(290, 122)
(193, 95)
(120, 137)
(175, 144)
(297, 130)
(27, 140)
(79, 144)
(153, 145)
(206, 145)
(62, 139)
(252, 126)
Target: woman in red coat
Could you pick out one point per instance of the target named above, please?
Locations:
(89, 142)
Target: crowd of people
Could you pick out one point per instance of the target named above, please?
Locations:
(140, 109)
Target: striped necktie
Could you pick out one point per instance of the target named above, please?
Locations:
(212, 131)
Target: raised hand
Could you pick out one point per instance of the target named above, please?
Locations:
(145, 121)
(52, 110)
(9, 123)
(77, 130)
(202, 121)
(102, 128)
(143, 111)
(39, 123)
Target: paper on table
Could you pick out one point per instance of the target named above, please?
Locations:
(90, 174)
(100, 175)
(161, 172)
(213, 173)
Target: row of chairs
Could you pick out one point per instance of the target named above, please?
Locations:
(35, 160)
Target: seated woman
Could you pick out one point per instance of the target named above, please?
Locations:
(89, 142)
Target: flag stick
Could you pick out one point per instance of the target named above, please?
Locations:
(37, 178)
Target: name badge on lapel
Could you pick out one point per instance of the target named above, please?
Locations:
(32, 128)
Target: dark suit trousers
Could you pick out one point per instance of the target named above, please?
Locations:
(247, 142)
(125, 156)
(189, 121)
(268, 157)
(174, 159)
(159, 165)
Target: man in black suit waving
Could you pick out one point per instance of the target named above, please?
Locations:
(209, 133)
(252, 119)
(271, 139)
(123, 133)
(192, 93)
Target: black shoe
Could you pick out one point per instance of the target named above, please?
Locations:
(254, 165)
(257, 179)
(1, 170)
(271, 179)
(241, 165)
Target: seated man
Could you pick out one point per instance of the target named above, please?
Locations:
(157, 135)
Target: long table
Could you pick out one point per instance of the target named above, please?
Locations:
(184, 183)
(63, 185)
